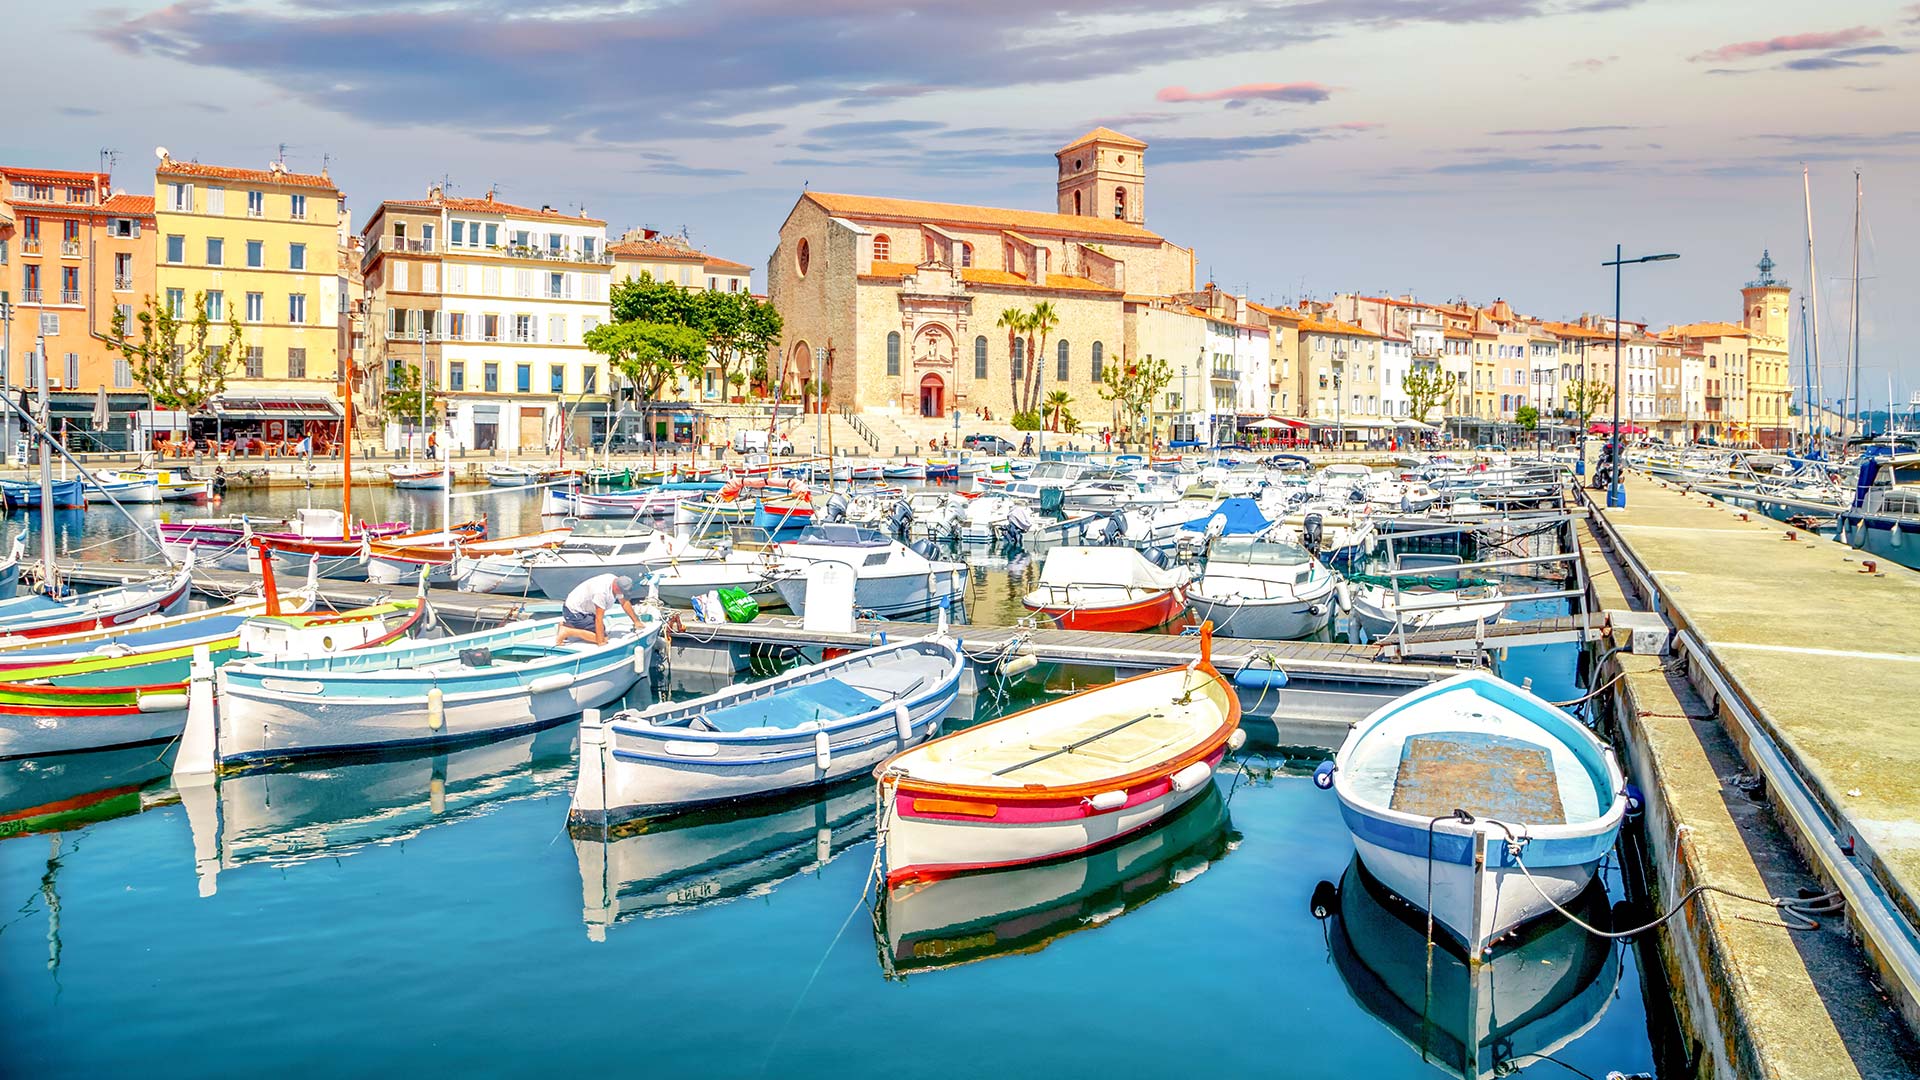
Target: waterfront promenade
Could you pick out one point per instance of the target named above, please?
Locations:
(1797, 637)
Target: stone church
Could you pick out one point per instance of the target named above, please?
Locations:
(896, 304)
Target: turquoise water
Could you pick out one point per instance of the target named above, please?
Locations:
(432, 915)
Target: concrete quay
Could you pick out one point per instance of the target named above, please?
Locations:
(1776, 755)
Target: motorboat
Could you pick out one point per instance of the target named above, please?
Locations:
(1422, 592)
(1339, 541)
(807, 727)
(405, 559)
(1252, 588)
(1060, 779)
(891, 579)
(1479, 801)
(655, 500)
(555, 572)
(418, 478)
(466, 688)
(756, 573)
(108, 486)
(969, 918)
(1047, 476)
(1106, 588)
(1884, 515)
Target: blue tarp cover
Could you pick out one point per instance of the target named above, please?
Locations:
(828, 699)
(1243, 518)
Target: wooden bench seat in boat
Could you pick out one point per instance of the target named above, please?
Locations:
(1042, 759)
(1489, 776)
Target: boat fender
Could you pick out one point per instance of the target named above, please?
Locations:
(822, 751)
(1237, 740)
(163, 702)
(436, 708)
(1192, 776)
(1323, 775)
(640, 660)
(903, 722)
(559, 680)
(1107, 800)
(1326, 899)
(1257, 678)
(1636, 802)
(1020, 665)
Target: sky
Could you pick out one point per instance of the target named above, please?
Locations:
(1447, 148)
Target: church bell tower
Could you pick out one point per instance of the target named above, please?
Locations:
(1104, 174)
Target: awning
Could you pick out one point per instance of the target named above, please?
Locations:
(1414, 425)
(1268, 424)
(277, 407)
(1600, 427)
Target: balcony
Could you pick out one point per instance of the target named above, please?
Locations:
(30, 245)
(519, 251)
(1224, 374)
(70, 296)
(551, 293)
(29, 296)
(70, 249)
(122, 284)
(413, 337)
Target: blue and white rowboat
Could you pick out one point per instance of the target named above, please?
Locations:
(806, 728)
(461, 689)
(1544, 796)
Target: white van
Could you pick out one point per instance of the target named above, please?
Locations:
(759, 442)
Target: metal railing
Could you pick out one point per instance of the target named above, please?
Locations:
(69, 296)
(70, 247)
(122, 284)
(30, 245)
(29, 296)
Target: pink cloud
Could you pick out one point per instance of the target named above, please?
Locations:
(1829, 39)
(1361, 125)
(1306, 93)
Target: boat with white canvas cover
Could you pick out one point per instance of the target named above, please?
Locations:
(892, 579)
(808, 727)
(1264, 589)
(1058, 779)
(1107, 588)
(1539, 803)
(403, 559)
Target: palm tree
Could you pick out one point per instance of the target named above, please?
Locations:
(1057, 402)
(1040, 321)
(1015, 322)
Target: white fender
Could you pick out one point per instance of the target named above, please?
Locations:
(1108, 800)
(822, 751)
(546, 684)
(436, 708)
(902, 722)
(1192, 776)
(163, 702)
(1237, 740)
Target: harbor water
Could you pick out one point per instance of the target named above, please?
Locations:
(432, 914)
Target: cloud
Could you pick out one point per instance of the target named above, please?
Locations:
(1572, 146)
(1588, 129)
(1808, 42)
(1361, 125)
(76, 110)
(674, 168)
(1908, 139)
(1300, 93)
(1595, 63)
(865, 129)
(1516, 166)
(1871, 50)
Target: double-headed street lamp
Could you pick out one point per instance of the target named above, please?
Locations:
(1616, 488)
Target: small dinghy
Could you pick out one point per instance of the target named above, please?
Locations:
(1058, 779)
(1542, 801)
(1422, 592)
(1106, 588)
(37, 616)
(804, 728)
(1259, 589)
(404, 559)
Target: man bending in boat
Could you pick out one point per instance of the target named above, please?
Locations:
(584, 616)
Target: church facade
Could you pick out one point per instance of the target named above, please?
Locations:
(901, 305)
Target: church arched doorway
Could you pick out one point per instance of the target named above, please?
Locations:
(933, 396)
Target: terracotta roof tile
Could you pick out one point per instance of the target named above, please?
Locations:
(52, 176)
(653, 249)
(1707, 329)
(494, 206)
(1330, 325)
(170, 167)
(135, 205)
(1105, 134)
(714, 262)
(915, 211)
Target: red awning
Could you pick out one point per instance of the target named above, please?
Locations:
(1599, 427)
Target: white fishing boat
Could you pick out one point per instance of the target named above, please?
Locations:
(129, 489)
(807, 727)
(1264, 589)
(755, 573)
(1425, 595)
(412, 478)
(467, 688)
(509, 476)
(1542, 800)
(554, 572)
(174, 485)
(403, 559)
(892, 579)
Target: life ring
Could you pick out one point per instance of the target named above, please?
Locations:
(731, 490)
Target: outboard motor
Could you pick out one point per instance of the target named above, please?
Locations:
(1355, 495)
(1017, 523)
(1116, 528)
(926, 549)
(1310, 533)
(899, 518)
(835, 510)
(1156, 557)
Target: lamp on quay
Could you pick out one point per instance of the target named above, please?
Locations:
(1616, 485)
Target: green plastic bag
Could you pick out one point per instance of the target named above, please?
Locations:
(739, 606)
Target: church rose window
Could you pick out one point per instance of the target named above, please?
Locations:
(802, 257)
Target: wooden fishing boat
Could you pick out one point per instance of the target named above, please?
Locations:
(38, 616)
(107, 486)
(80, 705)
(411, 478)
(1106, 588)
(222, 543)
(509, 476)
(10, 569)
(1516, 765)
(784, 518)
(25, 495)
(554, 571)
(807, 727)
(466, 688)
(172, 638)
(176, 485)
(1059, 779)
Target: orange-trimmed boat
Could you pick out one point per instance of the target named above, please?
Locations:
(1107, 588)
(1059, 779)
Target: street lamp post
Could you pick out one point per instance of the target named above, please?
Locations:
(6, 375)
(1616, 489)
(1339, 424)
(1186, 404)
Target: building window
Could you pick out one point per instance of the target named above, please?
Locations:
(557, 329)
(966, 254)
(176, 248)
(296, 256)
(1061, 362)
(1098, 370)
(256, 254)
(1018, 363)
(456, 375)
(490, 378)
(523, 377)
(256, 362)
(216, 305)
(177, 303)
(980, 358)
(1076, 205)
(256, 204)
(216, 251)
(882, 248)
(72, 370)
(493, 234)
(256, 307)
(298, 210)
(122, 374)
(589, 380)
(1120, 202)
(893, 352)
(803, 256)
(296, 363)
(297, 308)
(180, 198)
(557, 379)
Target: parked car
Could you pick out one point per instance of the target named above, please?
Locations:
(761, 442)
(987, 444)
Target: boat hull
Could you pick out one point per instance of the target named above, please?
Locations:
(1149, 614)
(891, 596)
(1271, 620)
(27, 730)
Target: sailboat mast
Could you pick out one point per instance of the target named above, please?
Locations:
(346, 452)
(1806, 375)
(1816, 385)
(1854, 333)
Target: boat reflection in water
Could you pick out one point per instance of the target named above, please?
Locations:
(927, 925)
(1535, 995)
(649, 868)
(333, 808)
(64, 791)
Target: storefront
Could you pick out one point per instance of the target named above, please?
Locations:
(92, 422)
(269, 424)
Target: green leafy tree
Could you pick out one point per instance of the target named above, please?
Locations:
(402, 398)
(1014, 321)
(1427, 387)
(172, 358)
(740, 331)
(648, 355)
(1133, 388)
(1056, 409)
(1041, 320)
(1586, 397)
(1528, 418)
